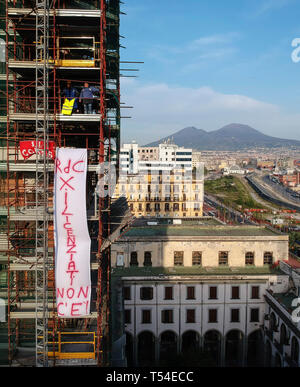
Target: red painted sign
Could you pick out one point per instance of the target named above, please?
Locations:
(29, 148)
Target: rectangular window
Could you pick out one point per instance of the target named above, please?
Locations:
(235, 315)
(190, 293)
(127, 316)
(147, 259)
(212, 315)
(176, 207)
(249, 258)
(197, 258)
(255, 292)
(268, 258)
(134, 259)
(223, 258)
(146, 316)
(254, 315)
(213, 293)
(178, 258)
(235, 292)
(190, 316)
(168, 293)
(167, 316)
(126, 293)
(146, 293)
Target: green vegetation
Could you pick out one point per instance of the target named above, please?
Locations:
(294, 239)
(231, 191)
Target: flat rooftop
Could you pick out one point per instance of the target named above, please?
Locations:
(201, 221)
(286, 299)
(200, 230)
(193, 271)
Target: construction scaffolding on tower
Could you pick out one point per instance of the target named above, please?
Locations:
(49, 43)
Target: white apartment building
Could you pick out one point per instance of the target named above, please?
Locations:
(189, 288)
(165, 185)
(134, 159)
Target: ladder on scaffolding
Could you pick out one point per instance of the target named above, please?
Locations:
(42, 180)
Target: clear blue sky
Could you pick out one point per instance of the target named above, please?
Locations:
(209, 63)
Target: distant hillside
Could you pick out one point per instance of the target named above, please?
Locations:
(231, 137)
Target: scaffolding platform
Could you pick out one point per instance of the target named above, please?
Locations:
(46, 48)
(31, 117)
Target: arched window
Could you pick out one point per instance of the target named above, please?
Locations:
(283, 334)
(168, 344)
(146, 349)
(133, 259)
(278, 362)
(295, 350)
(273, 322)
(233, 348)
(212, 345)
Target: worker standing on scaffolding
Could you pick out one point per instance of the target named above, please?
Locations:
(69, 93)
(87, 96)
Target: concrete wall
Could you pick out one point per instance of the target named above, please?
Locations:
(163, 250)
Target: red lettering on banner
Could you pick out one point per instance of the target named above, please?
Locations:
(72, 293)
(66, 206)
(70, 250)
(66, 183)
(60, 293)
(86, 306)
(81, 291)
(72, 275)
(71, 240)
(57, 165)
(58, 306)
(73, 310)
(67, 168)
(66, 224)
(71, 266)
(73, 168)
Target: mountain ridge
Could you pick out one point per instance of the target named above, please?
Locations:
(230, 137)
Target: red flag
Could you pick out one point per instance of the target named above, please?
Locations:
(28, 148)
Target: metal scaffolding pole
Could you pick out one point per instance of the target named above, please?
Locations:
(42, 180)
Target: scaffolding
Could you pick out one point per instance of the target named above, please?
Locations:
(50, 43)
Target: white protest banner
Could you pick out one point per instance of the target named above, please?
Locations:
(72, 240)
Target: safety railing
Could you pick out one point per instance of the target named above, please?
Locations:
(73, 345)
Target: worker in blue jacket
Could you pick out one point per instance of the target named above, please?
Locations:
(87, 96)
(71, 92)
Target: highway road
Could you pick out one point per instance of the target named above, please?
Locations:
(235, 215)
(272, 193)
